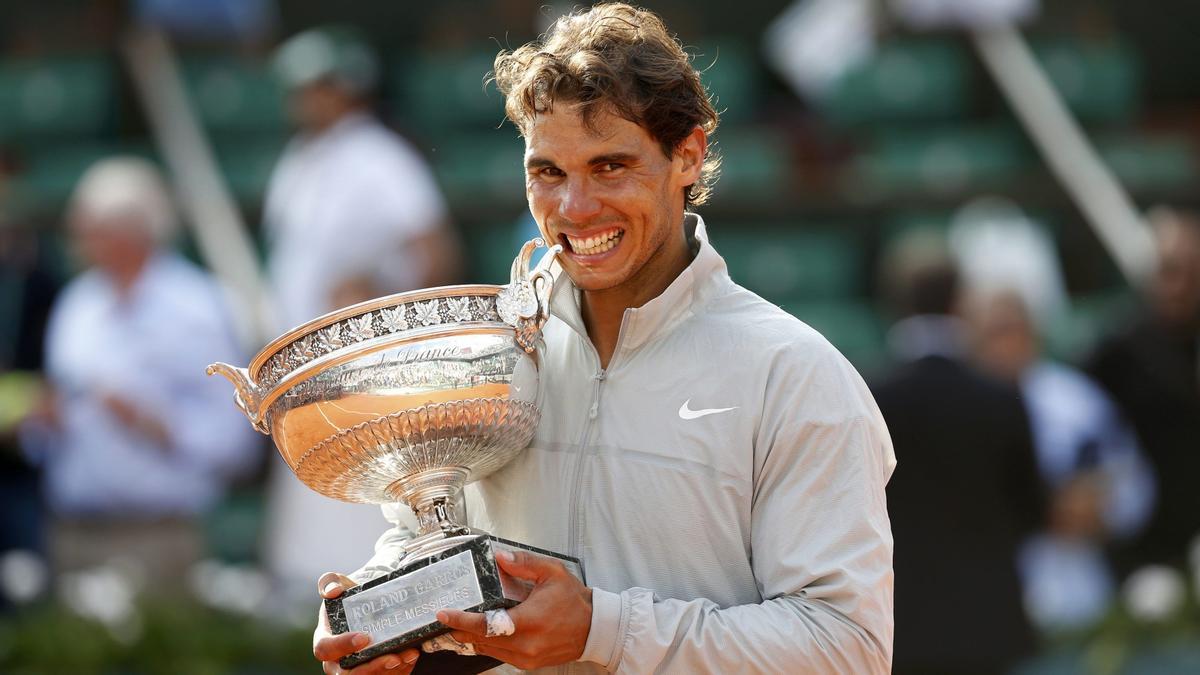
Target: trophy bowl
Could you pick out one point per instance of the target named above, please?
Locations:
(407, 398)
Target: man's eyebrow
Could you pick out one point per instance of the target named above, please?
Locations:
(613, 158)
(607, 158)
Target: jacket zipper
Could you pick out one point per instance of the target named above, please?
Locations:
(575, 527)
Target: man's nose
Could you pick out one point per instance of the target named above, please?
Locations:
(579, 203)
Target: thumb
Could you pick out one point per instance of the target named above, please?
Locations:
(529, 566)
(333, 584)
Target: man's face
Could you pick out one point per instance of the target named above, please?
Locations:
(314, 107)
(115, 249)
(609, 195)
(1177, 283)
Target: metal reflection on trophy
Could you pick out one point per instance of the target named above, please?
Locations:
(407, 398)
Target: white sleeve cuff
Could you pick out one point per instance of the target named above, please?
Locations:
(605, 637)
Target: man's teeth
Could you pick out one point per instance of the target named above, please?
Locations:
(596, 244)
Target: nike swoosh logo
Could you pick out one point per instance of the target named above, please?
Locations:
(687, 413)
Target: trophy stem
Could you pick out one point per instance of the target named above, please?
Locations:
(435, 496)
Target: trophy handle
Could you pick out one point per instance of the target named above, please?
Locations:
(544, 274)
(524, 303)
(246, 394)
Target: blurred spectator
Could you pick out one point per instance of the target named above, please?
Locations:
(138, 441)
(1152, 368)
(999, 248)
(965, 492)
(352, 212)
(1101, 486)
(27, 289)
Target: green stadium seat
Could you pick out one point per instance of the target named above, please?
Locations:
(790, 262)
(943, 160)
(756, 164)
(53, 170)
(247, 165)
(1149, 163)
(445, 90)
(232, 528)
(482, 167)
(491, 248)
(938, 223)
(733, 77)
(234, 95)
(1098, 80)
(57, 97)
(903, 81)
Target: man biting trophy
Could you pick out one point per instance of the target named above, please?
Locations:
(713, 464)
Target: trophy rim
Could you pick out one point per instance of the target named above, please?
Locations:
(260, 360)
(367, 347)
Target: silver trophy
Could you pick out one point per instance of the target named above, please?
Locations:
(407, 398)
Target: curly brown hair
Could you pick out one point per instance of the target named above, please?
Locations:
(615, 58)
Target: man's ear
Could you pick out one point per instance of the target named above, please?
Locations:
(691, 152)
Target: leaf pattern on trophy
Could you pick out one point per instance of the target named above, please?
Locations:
(427, 313)
(392, 320)
(360, 327)
(515, 302)
(305, 346)
(486, 310)
(277, 369)
(460, 308)
(330, 339)
(293, 357)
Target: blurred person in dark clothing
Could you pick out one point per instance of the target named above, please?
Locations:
(1102, 488)
(27, 289)
(965, 492)
(1151, 366)
(138, 442)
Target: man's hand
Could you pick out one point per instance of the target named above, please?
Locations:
(552, 624)
(328, 648)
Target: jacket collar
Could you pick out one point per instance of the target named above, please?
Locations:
(684, 298)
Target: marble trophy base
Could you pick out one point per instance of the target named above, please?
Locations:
(399, 609)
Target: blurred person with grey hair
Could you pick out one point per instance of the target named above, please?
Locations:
(1101, 487)
(1151, 366)
(352, 212)
(136, 442)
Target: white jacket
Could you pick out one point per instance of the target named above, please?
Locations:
(722, 482)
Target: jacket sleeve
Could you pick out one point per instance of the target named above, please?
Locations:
(821, 551)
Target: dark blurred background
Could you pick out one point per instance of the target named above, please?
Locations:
(867, 145)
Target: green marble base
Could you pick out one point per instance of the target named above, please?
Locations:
(398, 610)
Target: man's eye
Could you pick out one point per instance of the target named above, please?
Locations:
(551, 171)
(609, 167)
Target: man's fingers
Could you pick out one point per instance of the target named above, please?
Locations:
(470, 622)
(335, 647)
(529, 566)
(400, 663)
(333, 584)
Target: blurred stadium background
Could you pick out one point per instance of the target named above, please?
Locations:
(814, 188)
(811, 190)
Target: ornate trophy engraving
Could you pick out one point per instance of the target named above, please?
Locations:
(407, 398)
